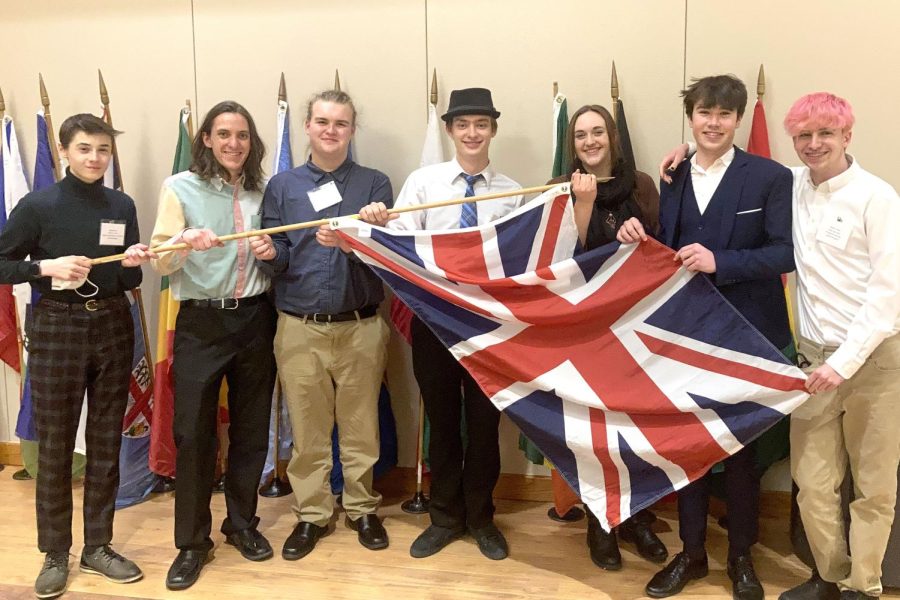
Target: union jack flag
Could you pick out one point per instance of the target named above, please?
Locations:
(632, 375)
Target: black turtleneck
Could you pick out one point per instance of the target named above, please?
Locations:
(62, 220)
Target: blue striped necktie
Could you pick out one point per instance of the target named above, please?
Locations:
(469, 215)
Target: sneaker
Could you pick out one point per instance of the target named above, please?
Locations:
(109, 563)
(51, 581)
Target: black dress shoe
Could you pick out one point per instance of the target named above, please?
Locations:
(186, 569)
(370, 531)
(603, 547)
(646, 543)
(250, 543)
(745, 584)
(814, 589)
(676, 575)
(490, 541)
(432, 540)
(302, 540)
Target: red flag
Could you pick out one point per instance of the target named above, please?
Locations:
(759, 133)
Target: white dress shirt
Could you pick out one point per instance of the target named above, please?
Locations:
(706, 181)
(847, 250)
(443, 181)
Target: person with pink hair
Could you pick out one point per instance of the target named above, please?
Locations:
(848, 286)
(848, 275)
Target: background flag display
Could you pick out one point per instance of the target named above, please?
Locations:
(13, 186)
(162, 443)
(624, 136)
(685, 380)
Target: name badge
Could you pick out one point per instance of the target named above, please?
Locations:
(324, 196)
(112, 232)
(834, 230)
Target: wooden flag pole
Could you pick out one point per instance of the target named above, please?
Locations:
(319, 222)
(2, 106)
(107, 113)
(54, 151)
(614, 85)
(190, 121)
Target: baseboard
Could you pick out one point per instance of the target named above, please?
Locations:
(9, 454)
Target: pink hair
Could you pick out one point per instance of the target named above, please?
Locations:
(818, 110)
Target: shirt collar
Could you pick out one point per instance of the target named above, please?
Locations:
(839, 180)
(723, 162)
(339, 174)
(455, 171)
(219, 184)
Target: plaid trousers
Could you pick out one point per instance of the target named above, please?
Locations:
(73, 351)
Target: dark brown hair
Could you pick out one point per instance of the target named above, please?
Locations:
(87, 123)
(615, 150)
(724, 91)
(204, 163)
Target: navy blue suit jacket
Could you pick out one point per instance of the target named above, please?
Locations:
(753, 245)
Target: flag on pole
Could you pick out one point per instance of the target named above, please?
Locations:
(283, 161)
(686, 381)
(13, 186)
(162, 442)
(759, 132)
(624, 136)
(560, 124)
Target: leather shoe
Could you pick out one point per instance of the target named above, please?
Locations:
(676, 575)
(646, 543)
(369, 530)
(603, 547)
(490, 541)
(432, 540)
(814, 589)
(250, 543)
(302, 540)
(186, 569)
(745, 584)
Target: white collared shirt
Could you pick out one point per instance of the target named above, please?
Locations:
(848, 263)
(706, 181)
(443, 181)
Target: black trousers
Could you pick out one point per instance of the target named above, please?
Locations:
(462, 480)
(73, 351)
(212, 344)
(742, 505)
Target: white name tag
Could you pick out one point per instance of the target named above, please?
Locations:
(834, 230)
(112, 233)
(324, 196)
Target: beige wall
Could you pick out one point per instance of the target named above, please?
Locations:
(156, 54)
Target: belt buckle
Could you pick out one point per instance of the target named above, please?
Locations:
(91, 306)
(325, 318)
(223, 305)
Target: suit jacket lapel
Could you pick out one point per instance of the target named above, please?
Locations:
(673, 217)
(728, 194)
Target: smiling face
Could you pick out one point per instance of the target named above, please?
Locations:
(713, 129)
(592, 144)
(472, 135)
(823, 150)
(88, 155)
(330, 128)
(229, 140)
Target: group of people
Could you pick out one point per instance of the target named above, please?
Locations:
(300, 305)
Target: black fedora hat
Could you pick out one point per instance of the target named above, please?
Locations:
(470, 101)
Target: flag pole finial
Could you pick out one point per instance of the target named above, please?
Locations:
(45, 102)
(45, 99)
(433, 97)
(337, 81)
(190, 121)
(761, 82)
(104, 95)
(282, 90)
(555, 88)
(2, 104)
(614, 84)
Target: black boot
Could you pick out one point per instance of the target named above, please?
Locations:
(604, 547)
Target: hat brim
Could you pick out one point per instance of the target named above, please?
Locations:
(458, 111)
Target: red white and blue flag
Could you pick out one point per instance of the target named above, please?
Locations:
(632, 375)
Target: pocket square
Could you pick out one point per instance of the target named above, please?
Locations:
(747, 212)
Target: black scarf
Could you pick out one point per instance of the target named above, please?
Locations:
(612, 194)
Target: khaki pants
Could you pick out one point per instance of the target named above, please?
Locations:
(857, 424)
(331, 374)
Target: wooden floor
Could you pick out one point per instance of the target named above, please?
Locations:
(547, 560)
